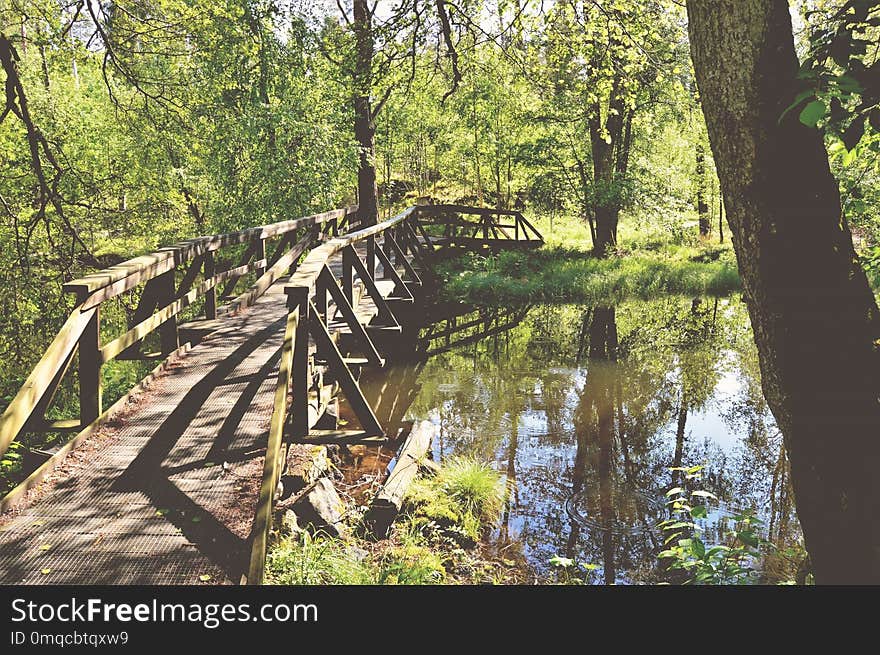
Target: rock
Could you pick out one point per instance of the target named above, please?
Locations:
(322, 509)
(290, 524)
(305, 464)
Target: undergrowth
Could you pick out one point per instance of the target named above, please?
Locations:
(436, 539)
(559, 274)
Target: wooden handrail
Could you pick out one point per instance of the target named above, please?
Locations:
(127, 275)
(80, 333)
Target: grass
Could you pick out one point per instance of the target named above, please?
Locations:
(435, 540)
(558, 274)
(474, 487)
(648, 262)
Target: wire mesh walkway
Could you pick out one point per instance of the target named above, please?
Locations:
(168, 496)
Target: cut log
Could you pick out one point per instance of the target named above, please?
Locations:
(387, 503)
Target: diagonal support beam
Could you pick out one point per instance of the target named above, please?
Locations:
(357, 330)
(343, 375)
(404, 260)
(385, 313)
(391, 272)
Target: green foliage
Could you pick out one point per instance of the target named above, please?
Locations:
(410, 564)
(705, 563)
(572, 572)
(475, 488)
(319, 560)
(567, 274)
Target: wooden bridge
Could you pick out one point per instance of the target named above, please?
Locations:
(175, 481)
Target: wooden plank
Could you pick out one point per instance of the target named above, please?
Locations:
(245, 258)
(388, 502)
(464, 209)
(404, 260)
(277, 270)
(391, 272)
(272, 462)
(385, 313)
(38, 415)
(142, 329)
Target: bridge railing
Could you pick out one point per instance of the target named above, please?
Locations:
(478, 226)
(298, 395)
(172, 279)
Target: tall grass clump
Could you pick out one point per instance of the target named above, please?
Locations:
(317, 560)
(475, 487)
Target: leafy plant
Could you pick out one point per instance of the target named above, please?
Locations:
(701, 562)
(570, 571)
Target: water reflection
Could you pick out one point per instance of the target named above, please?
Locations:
(586, 409)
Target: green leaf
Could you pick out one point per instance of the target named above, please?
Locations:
(563, 562)
(813, 113)
(748, 538)
(698, 548)
(699, 512)
(674, 490)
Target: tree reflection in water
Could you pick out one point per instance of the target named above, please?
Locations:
(587, 409)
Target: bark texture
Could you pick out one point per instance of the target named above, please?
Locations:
(364, 129)
(814, 317)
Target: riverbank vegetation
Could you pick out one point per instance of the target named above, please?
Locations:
(566, 270)
(441, 537)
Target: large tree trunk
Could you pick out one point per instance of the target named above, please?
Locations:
(364, 129)
(814, 317)
(605, 140)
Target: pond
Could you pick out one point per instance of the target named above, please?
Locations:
(586, 409)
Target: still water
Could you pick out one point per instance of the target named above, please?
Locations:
(585, 409)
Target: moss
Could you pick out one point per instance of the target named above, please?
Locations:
(425, 501)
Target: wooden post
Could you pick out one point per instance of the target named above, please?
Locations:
(168, 330)
(211, 294)
(321, 311)
(371, 256)
(348, 273)
(260, 255)
(299, 297)
(386, 249)
(90, 370)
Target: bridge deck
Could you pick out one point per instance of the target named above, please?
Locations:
(165, 495)
(166, 491)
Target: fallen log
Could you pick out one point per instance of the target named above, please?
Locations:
(387, 503)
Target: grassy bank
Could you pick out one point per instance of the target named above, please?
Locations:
(647, 263)
(560, 274)
(439, 538)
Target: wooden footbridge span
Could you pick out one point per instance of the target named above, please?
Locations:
(174, 483)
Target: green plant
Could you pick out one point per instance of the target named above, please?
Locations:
(701, 562)
(570, 571)
(318, 560)
(476, 488)
(411, 564)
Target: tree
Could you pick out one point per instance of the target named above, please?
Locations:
(814, 317)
